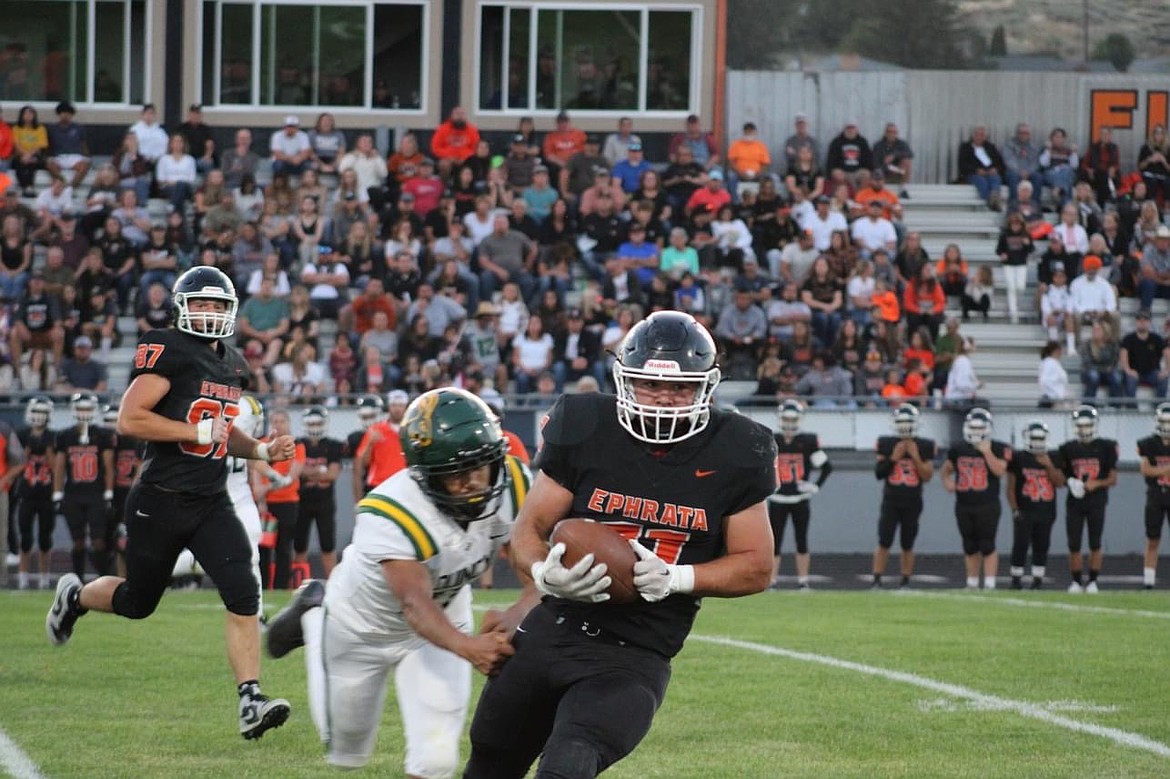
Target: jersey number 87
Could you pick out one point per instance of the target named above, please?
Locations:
(206, 408)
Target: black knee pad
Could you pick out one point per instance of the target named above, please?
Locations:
(134, 604)
(569, 759)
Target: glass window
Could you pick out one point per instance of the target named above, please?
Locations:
(398, 56)
(585, 59)
(668, 71)
(235, 69)
(43, 51)
(109, 58)
(138, 66)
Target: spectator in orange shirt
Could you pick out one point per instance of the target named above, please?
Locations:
(951, 271)
(748, 160)
(885, 303)
(917, 381)
(561, 144)
(891, 206)
(380, 450)
(920, 350)
(454, 141)
(281, 497)
(711, 197)
(403, 163)
(893, 391)
(358, 317)
(924, 302)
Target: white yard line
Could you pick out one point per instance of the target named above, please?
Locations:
(15, 762)
(1035, 604)
(1023, 708)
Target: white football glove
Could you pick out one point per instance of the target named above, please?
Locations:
(281, 481)
(818, 458)
(655, 579)
(1076, 488)
(584, 581)
(807, 488)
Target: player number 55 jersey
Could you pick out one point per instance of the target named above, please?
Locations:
(396, 521)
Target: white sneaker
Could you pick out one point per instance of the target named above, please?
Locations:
(65, 611)
(1091, 588)
(1076, 588)
(259, 713)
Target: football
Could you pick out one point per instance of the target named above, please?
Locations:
(582, 536)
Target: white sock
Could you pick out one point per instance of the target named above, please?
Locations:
(973, 582)
(1053, 334)
(313, 627)
(1017, 570)
(1148, 576)
(1071, 343)
(1038, 571)
(22, 580)
(44, 581)
(989, 583)
(802, 580)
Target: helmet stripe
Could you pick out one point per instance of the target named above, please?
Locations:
(517, 483)
(387, 508)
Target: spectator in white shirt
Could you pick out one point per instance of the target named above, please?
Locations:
(794, 262)
(327, 280)
(370, 168)
(823, 223)
(962, 383)
(859, 292)
(1056, 308)
(1076, 240)
(1053, 377)
(152, 138)
(1092, 296)
(873, 231)
(175, 173)
(290, 148)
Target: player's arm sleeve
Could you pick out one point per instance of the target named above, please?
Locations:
(826, 468)
(758, 475)
(882, 467)
(556, 455)
(387, 530)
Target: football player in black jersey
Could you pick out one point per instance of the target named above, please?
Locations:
(370, 410)
(318, 505)
(184, 389)
(83, 483)
(1032, 480)
(972, 471)
(686, 483)
(127, 461)
(34, 490)
(1090, 468)
(905, 462)
(1154, 452)
(797, 455)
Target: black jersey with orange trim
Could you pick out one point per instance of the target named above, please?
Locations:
(1034, 489)
(322, 452)
(1086, 460)
(83, 460)
(1156, 451)
(352, 442)
(793, 461)
(901, 482)
(36, 480)
(975, 484)
(127, 457)
(675, 499)
(205, 382)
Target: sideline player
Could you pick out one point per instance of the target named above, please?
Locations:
(797, 455)
(279, 493)
(380, 452)
(905, 463)
(184, 389)
(318, 504)
(1154, 452)
(1090, 466)
(370, 410)
(127, 462)
(1033, 477)
(972, 471)
(687, 484)
(400, 600)
(34, 490)
(83, 484)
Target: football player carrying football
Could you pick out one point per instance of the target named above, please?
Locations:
(400, 599)
(185, 386)
(686, 484)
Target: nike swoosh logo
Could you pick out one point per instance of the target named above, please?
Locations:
(140, 514)
(521, 630)
(701, 474)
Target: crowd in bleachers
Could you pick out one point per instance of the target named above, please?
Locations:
(521, 264)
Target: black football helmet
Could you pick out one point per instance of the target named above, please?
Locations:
(1036, 437)
(204, 282)
(791, 413)
(84, 407)
(667, 346)
(977, 426)
(449, 431)
(1162, 420)
(370, 409)
(905, 419)
(1084, 419)
(37, 411)
(315, 419)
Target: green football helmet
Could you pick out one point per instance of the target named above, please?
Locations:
(448, 431)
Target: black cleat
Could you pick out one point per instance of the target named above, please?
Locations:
(284, 632)
(1037, 582)
(1017, 582)
(65, 610)
(259, 713)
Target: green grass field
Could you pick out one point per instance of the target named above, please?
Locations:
(824, 685)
